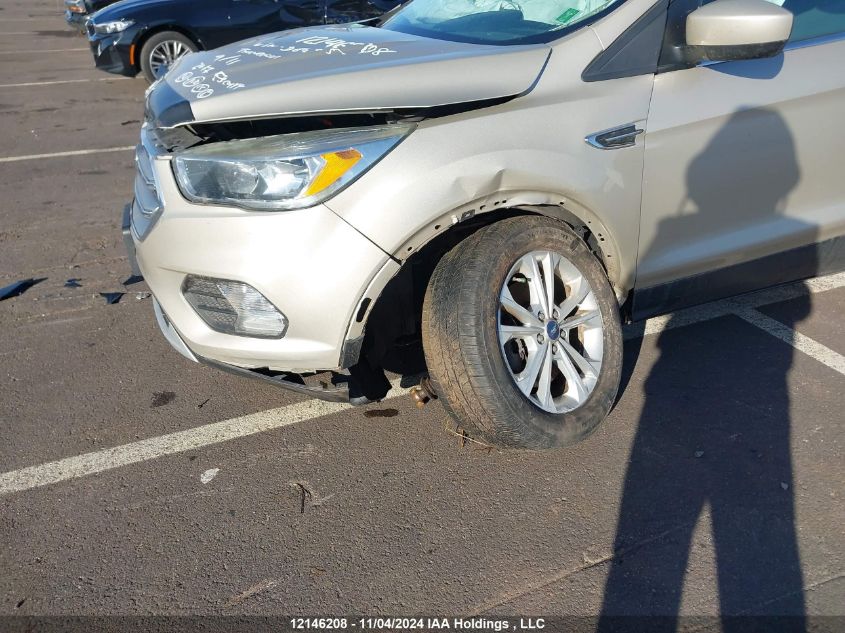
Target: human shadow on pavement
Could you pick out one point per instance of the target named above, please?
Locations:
(714, 432)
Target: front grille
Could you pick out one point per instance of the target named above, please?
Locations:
(89, 26)
(147, 205)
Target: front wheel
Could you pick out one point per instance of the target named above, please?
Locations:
(522, 335)
(163, 50)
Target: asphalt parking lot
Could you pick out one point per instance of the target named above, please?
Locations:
(134, 482)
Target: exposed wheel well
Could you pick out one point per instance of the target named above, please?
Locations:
(392, 335)
(139, 44)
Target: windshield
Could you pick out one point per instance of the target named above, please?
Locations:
(493, 21)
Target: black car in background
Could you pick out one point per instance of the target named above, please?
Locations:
(147, 36)
(78, 11)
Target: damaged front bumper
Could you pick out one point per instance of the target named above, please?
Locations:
(284, 380)
(128, 242)
(309, 264)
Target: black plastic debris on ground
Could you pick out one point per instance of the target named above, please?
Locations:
(162, 398)
(18, 288)
(112, 297)
(73, 282)
(134, 279)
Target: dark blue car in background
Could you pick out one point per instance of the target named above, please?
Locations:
(147, 36)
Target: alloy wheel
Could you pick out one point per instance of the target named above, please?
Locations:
(550, 331)
(165, 54)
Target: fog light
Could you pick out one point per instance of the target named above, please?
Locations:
(233, 307)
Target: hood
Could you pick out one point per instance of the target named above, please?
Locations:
(96, 5)
(107, 10)
(340, 69)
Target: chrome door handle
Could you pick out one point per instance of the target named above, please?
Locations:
(615, 138)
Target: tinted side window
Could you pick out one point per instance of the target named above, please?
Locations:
(814, 18)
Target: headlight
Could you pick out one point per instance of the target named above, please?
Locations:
(113, 27)
(289, 171)
(75, 6)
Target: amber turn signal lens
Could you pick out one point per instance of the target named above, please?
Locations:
(337, 164)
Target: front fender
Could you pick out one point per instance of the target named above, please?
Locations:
(433, 180)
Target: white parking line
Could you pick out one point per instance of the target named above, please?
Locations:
(744, 307)
(179, 442)
(732, 306)
(62, 81)
(215, 433)
(78, 152)
(809, 346)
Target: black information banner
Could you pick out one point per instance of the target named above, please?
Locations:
(423, 624)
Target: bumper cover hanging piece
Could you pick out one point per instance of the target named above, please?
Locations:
(285, 380)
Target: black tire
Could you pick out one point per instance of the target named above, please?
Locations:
(461, 340)
(151, 44)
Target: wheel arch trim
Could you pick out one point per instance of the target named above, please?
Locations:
(552, 205)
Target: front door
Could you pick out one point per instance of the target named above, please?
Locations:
(741, 164)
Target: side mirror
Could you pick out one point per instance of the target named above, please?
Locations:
(727, 30)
